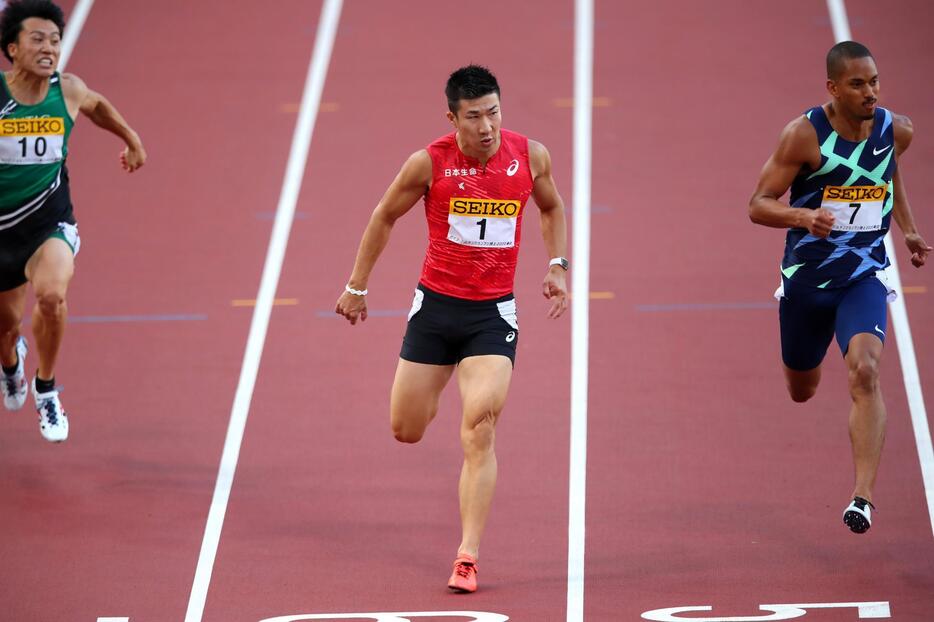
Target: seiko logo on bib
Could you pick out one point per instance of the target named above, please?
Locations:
(37, 126)
(513, 167)
(492, 208)
(854, 193)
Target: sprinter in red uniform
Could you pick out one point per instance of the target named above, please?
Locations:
(475, 183)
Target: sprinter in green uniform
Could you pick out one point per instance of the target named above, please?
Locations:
(38, 232)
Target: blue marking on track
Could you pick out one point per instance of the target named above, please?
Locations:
(707, 306)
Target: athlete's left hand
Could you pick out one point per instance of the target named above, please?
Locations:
(555, 289)
(919, 249)
(132, 158)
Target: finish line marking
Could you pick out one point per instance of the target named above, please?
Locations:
(272, 268)
(906, 346)
(580, 305)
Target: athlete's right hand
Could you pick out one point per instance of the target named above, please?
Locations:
(820, 222)
(352, 307)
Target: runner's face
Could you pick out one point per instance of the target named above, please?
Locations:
(857, 89)
(477, 123)
(38, 47)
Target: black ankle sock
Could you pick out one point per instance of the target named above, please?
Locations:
(44, 386)
(9, 371)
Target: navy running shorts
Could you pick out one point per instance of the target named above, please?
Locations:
(810, 317)
(443, 330)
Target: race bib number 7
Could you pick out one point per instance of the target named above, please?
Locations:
(855, 208)
(39, 140)
(487, 223)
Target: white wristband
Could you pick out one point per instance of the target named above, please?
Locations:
(559, 261)
(355, 292)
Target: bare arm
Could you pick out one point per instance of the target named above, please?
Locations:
(554, 227)
(79, 98)
(403, 193)
(797, 147)
(901, 210)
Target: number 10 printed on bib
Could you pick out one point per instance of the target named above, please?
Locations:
(855, 208)
(483, 222)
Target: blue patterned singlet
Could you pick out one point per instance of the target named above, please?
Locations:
(854, 182)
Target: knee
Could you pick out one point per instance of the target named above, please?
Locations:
(408, 429)
(479, 432)
(864, 375)
(51, 302)
(405, 434)
(801, 394)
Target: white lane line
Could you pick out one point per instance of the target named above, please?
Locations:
(73, 30)
(906, 347)
(301, 140)
(580, 305)
(113, 620)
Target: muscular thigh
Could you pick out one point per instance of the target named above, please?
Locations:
(416, 390)
(484, 383)
(52, 265)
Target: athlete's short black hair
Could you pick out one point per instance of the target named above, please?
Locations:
(469, 82)
(16, 11)
(842, 52)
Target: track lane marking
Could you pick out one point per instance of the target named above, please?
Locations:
(580, 305)
(906, 347)
(288, 198)
(75, 25)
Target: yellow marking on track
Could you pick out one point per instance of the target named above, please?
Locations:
(600, 296)
(568, 102)
(251, 302)
(915, 289)
(293, 107)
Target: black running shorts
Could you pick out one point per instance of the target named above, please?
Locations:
(20, 240)
(443, 330)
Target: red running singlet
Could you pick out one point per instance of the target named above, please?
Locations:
(475, 218)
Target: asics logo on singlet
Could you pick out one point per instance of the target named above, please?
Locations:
(511, 336)
(513, 167)
(8, 108)
(878, 151)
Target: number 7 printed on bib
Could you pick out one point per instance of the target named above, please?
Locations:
(487, 223)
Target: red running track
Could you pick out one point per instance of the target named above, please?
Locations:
(706, 485)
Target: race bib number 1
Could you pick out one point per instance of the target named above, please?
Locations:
(489, 223)
(855, 208)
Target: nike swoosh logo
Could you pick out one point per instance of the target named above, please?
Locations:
(879, 330)
(878, 151)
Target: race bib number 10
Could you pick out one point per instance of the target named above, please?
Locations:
(855, 208)
(39, 140)
(489, 223)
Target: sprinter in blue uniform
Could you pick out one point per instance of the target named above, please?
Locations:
(840, 161)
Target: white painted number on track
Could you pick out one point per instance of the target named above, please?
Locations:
(867, 610)
(462, 616)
